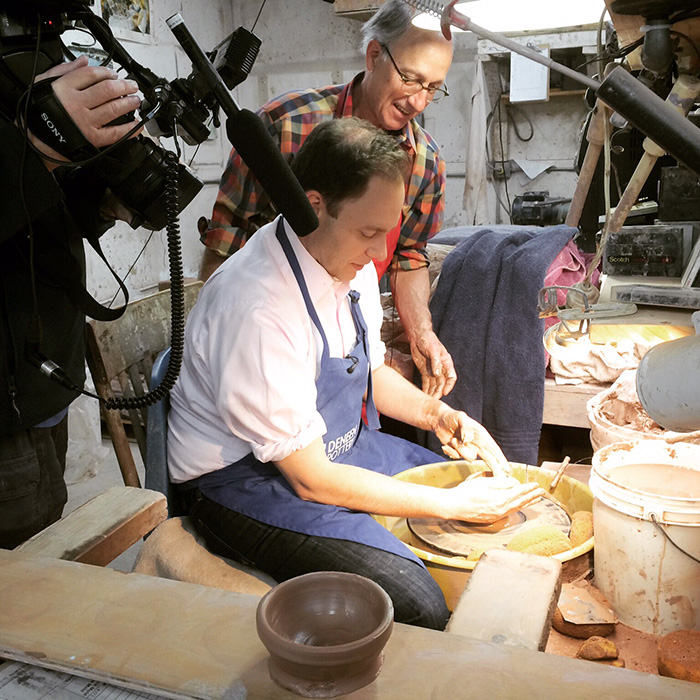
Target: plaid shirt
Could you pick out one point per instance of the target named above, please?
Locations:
(242, 206)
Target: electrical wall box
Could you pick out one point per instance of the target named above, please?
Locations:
(647, 251)
(501, 170)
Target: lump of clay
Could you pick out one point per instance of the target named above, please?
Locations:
(597, 648)
(544, 540)
(581, 527)
(678, 655)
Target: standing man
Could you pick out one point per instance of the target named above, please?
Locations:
(43, 217)
(265, 434)
(405, 71)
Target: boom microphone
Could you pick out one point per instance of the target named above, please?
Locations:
(249, 137)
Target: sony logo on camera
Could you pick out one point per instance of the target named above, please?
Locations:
(52, 127)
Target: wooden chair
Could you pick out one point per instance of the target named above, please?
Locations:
(120, 356)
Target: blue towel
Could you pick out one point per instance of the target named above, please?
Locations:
(485, 313)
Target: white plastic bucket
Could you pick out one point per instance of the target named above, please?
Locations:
(651, 585)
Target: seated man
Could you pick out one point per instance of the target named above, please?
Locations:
(265, 435)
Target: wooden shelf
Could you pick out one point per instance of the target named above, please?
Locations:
(552, 94)
(357, 9)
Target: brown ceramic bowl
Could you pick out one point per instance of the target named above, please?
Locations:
(325, 632)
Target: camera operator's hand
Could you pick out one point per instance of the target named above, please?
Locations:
(93, 96)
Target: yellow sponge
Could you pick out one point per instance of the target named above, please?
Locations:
(581, 527)
(544, 540)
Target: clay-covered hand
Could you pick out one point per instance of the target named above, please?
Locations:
(487, 499)
(464, 438)
(93, 96)
(435, 365)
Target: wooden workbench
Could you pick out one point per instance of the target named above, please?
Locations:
(566, 404)
(190, 641)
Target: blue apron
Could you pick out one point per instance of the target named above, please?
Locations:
(258, 490)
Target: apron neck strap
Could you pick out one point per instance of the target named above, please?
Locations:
(296, 269)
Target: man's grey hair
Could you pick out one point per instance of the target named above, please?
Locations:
(392, 21)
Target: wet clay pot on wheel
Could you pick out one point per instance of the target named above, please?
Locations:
(325, 632)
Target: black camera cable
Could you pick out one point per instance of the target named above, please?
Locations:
(177, 300)
(177, 329)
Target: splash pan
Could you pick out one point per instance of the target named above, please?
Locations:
(573, 494)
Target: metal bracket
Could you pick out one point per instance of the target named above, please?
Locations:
(548, 305)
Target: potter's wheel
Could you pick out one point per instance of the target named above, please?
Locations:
(460, 538)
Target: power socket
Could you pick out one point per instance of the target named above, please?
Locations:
(501, 170)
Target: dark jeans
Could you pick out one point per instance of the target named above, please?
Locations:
(32, 489)
(284, 554)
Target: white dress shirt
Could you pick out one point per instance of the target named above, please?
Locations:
(252, 355)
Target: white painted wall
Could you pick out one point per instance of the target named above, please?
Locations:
(305, 44)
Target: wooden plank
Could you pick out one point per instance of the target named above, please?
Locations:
(565, 404)
(165, 636)
(101, 529)
(647, 326)
(650, 324)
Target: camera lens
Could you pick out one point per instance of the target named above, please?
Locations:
(136, 171)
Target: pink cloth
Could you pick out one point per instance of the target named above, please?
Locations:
(568, 268)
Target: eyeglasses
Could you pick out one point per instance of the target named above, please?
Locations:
(413, 87)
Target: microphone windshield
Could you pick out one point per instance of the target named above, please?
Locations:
(248, 135)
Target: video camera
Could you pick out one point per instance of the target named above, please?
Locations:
(135, 169)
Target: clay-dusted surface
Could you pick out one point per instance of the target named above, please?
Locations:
(638, 649)
(196, 642)
(679, 655)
